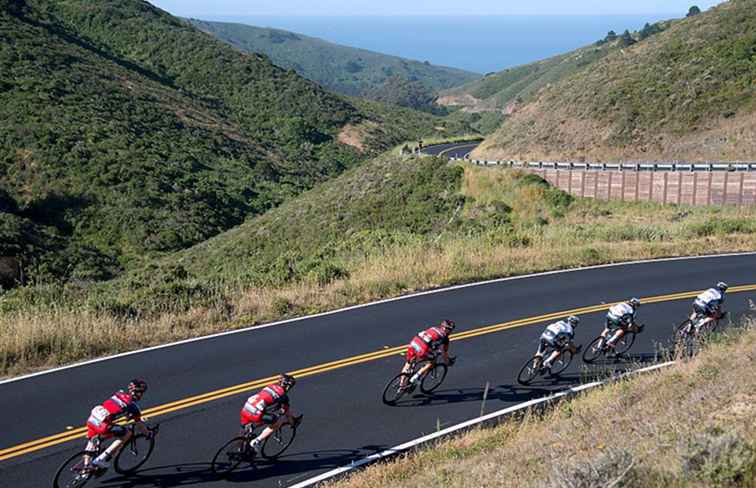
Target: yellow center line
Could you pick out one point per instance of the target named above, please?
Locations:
(166, 408)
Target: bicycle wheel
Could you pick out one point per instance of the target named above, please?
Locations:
(530, 371)
(72, 473)
(684, 329)
(134, 454)
(279, 441)
(593, 351)
(393, 391)
(230, 456)
(433, 378)
(561, 363)
(624, 343)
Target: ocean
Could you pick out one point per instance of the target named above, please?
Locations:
(475, 43)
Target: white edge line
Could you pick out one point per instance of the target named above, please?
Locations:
(370, 304)
(464, 425)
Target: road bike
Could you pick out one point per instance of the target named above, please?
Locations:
(533, 368)
(75, 472)
(598, 347)
(402, 383)
(689, 332)
(238, 450)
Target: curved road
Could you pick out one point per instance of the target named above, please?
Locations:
(198, 387)
(452, 149)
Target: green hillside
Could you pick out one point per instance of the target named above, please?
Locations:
(487, 101)
(684, 94)
(121, 138)
(343, 69)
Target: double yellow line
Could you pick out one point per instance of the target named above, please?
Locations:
(166, 408)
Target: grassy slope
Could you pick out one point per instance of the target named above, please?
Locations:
(686, 93)
(343, 69)
(126, 142)
(692, 425)
(384, 228)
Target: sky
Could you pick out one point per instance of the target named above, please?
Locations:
(198, 8)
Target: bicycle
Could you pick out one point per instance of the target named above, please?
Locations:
(428, 382)
(689, 331)
(238, 450)
(75, 472)
(598, 347)
(533, 368)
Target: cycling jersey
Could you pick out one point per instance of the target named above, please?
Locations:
(102, 419)
(709, 300)
(426, 342)
(620, 314)
(263, 407)
(558, 333)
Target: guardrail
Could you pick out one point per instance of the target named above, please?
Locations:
(570, 166)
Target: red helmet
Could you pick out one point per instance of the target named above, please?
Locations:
(137, 387)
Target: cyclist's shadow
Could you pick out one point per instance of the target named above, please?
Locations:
(499, 393)
(188, 474)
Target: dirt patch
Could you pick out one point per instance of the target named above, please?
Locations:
(352, 135)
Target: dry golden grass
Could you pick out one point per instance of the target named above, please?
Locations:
(692, 425)
(589, 233)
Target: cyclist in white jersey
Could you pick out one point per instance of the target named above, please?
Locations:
(558, 336)
(619, 320)
(709, 305)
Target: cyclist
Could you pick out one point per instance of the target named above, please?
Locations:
(101, 423)
(558, 336)
(709, 305)
(427, 344)
(619, 320)
(269, 407)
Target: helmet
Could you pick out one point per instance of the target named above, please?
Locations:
(634, 302)
(573, 321)
(448, 324)
(137, 387)
(287, 381)
(722, 286)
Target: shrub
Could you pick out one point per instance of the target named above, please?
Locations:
(720, 459)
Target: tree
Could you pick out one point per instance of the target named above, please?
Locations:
(694, 10)
(611, 36)
(649, 30)
(627, 39)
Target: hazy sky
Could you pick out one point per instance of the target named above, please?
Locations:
(427, 7)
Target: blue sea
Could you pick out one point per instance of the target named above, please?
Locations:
(475, 43)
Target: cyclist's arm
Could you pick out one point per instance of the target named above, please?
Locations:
(445, 350)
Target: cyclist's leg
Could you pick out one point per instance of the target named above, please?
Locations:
(272, 423)
(122, 435)
(617, 335)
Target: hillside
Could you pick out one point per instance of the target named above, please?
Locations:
(343, 69)
(683, 94)
(487, 101)
(125, 141)
(687, 426)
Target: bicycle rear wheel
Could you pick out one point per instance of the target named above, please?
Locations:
(134, 454)
(393, 391)
(279, 441)
(72, 473)
(231, 455)
(561, 363)
(530, 371)
(623, 345)
(593, 351)
(433, 378)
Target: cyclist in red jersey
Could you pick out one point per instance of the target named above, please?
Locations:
(269, 407)
(426, 344)
(101, 423)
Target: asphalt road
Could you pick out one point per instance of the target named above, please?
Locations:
(451, 150)
(344, 417)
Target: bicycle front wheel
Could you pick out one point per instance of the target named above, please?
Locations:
(72, 473)
(624, 343)
(594, 350)
(279, 441)
(433, 378)
(230, 456)
(134, 454)
(561, 363)
(530, 371)
(394, 390)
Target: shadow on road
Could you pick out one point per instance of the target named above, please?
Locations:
(290, 465)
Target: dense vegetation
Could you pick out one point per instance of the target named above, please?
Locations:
(121, 140)
(685, 93)
(343, 69)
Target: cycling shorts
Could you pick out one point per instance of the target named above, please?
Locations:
(266, 418)
(106, 430)
(414, 355)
